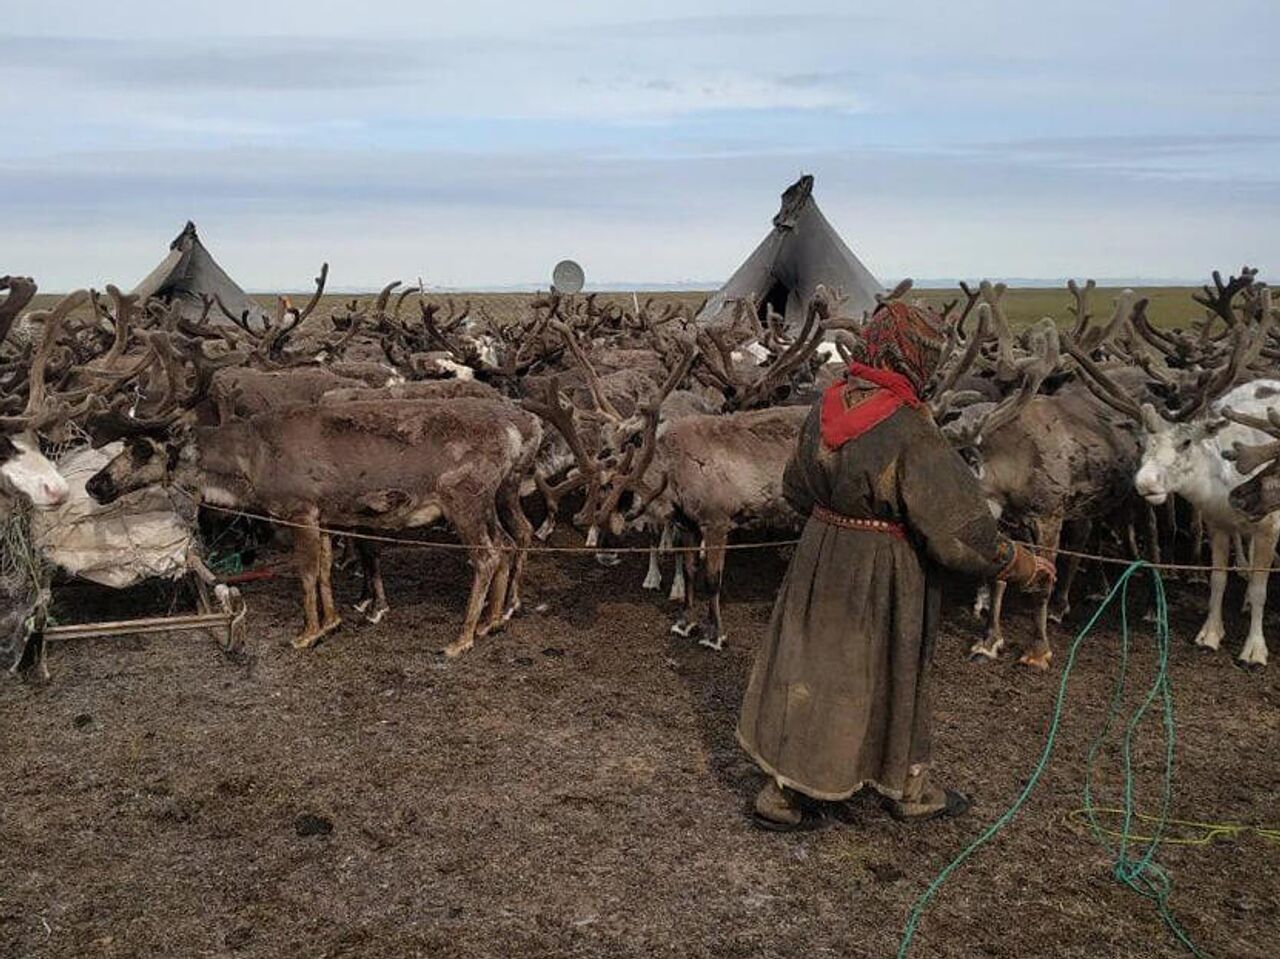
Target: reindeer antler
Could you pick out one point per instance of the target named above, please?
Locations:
(21, 291)
(1218, 300)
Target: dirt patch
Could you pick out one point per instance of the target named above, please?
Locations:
(572, 788)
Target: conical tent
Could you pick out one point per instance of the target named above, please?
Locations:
(803, 251)
(189, 273)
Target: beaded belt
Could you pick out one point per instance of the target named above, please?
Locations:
(824, 515)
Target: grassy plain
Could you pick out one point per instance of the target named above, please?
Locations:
(1170, 305)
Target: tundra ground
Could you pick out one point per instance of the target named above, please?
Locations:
(571, 787)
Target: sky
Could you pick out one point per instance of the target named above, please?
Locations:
(475, 144)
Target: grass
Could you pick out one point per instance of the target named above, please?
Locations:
(1170, 306)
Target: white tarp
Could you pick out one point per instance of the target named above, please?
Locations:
(139, 536)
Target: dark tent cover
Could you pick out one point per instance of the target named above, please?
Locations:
(803, 251)
(190, 272)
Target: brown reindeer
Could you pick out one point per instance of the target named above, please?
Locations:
(362, 465)
(1044, 462)
(372, 603)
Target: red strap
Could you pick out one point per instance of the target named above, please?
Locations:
(841, 424)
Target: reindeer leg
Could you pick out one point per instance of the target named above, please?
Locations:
(986, 650)
(687, 624)
(550, 516)
(1254, 653)
(484, 560)
(1059, 609)
(981, 601)
(653, 575)
(348, 553)
(521, 530)
(678, 574)
(1048, 535)
(494, 618)
(1244, 560)
(329, 618)
(717, 539)
(1210, 635)
(367, 557)
(373, 600)
(307, 552)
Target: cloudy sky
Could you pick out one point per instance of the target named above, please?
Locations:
(476, 143)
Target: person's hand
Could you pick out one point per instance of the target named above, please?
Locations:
(1043, 577)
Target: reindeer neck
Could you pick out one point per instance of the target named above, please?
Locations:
(211, 466)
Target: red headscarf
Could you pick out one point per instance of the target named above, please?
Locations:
(898, 352)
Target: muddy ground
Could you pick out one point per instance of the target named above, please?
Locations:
(572, 788)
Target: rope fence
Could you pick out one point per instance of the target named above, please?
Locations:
(645, 550)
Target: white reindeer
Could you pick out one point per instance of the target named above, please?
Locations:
(1192, 454)
(1187, 459)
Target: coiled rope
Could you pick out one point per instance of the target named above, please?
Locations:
(1133, 858)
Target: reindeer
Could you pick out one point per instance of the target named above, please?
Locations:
(1044, 462)
(372, 603)
(1188, 452)
(24, 469)
(696, 473)
(360, 465)
(26, 476)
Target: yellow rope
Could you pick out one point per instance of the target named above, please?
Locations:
(1211, 830)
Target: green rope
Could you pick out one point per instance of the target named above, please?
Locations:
(231, 564)
(1134, 861)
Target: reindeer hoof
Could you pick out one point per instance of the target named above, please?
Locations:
(1058, 615)
(717, 644)
(458, 647)
(683, 630)
(1209, 638)
(512, 611)
(1038, 661)
(987, 651)
(376, 616)
(307, 640)
(362, 606)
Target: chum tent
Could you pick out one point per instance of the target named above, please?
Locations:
(189, 273)
(802, 251)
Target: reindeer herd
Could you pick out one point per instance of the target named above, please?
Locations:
(1099, 432)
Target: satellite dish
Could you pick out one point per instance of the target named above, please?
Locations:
(567, 277)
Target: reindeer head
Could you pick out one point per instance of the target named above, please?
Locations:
(144, 461)
(26, 471)
(1176, 457)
